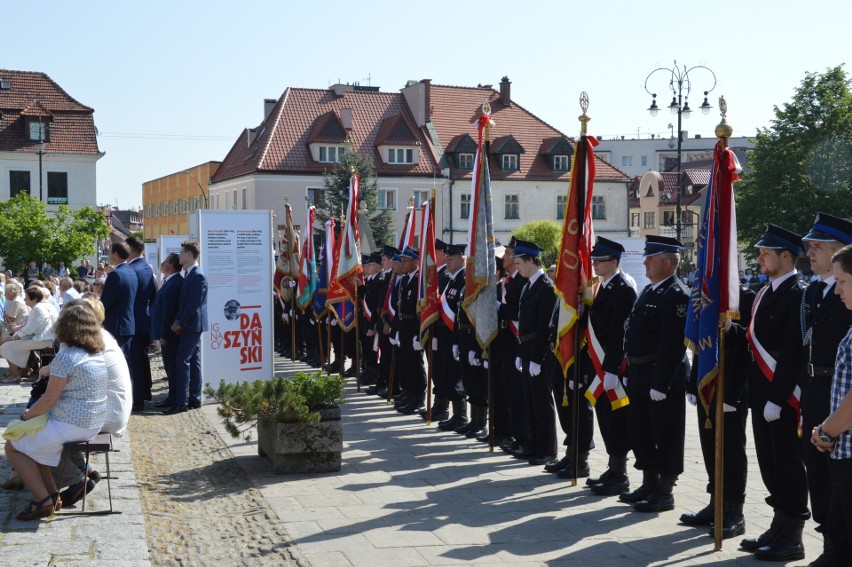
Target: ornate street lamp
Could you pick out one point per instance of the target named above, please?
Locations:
(200, 189)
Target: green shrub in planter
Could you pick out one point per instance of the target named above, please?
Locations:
(279, 400)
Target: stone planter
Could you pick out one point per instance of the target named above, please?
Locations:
(303, 447)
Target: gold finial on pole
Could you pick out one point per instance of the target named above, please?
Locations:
(723, 130)
(584, 118)
(486, 110)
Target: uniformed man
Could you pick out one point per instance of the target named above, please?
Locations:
(474, 374)
(656, 375)
(382, 322)
(826, 322)
(448, 379)
(775, 338)
(507, 341)
(536, 306)
(370, 306)
(410, 354)
(735, 406)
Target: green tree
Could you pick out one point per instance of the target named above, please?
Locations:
(802, 164)
(31, 233)
(336, 184)
(545, 233)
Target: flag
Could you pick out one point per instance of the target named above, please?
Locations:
(337, 298)
(574, 266)
(407, 239)
(307, 284)
(428, 298)
(715, 294)
(287, 266)
(480, 296)
(348, 272)
(324, 270)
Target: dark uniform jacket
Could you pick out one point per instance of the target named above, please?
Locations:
(608, 312)
(409, 321)
(777, 326)
(536, 307)
(374, 296)
(654, 335)
(508, 311)
(453, 292)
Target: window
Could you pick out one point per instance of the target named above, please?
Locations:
(464, 209)
(184, 205)
(644, 160)
(244, 198)
(19, 182)
(509, 162)
(626, 161)
(57, 188)
(560, 163)
(420, 197)
(634, 219)
(466, 161)
(175, 207)
(650, 220)
(668, 218)
(331, 154)
(387, 199)
(39, 132)
(511, 206)
(400, 155)
(227, 199)
(234, 204)
(560, 206)
(316, 195)
(598, 208)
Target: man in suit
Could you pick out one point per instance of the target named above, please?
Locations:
(118, 296)
(826, 322)
(140, 367)
(656, 377)
(775, 338)
(190, 322)
(163, 313)
(536, 306)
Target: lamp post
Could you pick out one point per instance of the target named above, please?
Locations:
(200, 189)
(40, 172)
(680, 85)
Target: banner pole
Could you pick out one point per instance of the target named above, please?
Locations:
(575, 403)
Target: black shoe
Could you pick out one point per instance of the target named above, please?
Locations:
(638, 495)
(583, 471)
(657, 502)
(350, 373)
(413, 408)
(439, 416)
(501, 441)
(733, 526)
(522, 452)
(167, 403)
(174, 410)
(556, 466)
(382, 392)
(612, 486)
(371, 391)
(754, 543)
(476, 432)
(453, 423)
(538, 461)
(703, 517)
(75, 492)
(194, 406)
(509, 447)
(598, 480)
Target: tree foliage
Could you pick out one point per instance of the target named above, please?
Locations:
(545, 233)
(30, 233)
(336, 184)
(802, 164)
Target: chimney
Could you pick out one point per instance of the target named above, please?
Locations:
(506, 91)
(346, 118)
(252, 134)
(427, 99)
(268, 105)
(339, 89)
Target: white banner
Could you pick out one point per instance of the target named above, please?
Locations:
(632, 261)
(236, 257)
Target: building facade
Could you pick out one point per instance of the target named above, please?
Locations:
(167, 201)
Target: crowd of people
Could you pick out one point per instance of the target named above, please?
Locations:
(635, 375)
(101, 333)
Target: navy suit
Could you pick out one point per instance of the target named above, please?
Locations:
(163, 313)
(140, 367)
(117, 298)
(192, 319)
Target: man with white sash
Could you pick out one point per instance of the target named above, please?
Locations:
(775, 340)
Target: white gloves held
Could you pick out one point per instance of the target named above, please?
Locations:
(518, 365)
(434, 343)
(771, 412)
(535, 369)
(656, 396)
(692, 399)
(416, 344)
(610, 381)
(456, 352)
(472, 360)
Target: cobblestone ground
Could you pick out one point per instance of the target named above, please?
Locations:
(200, 506)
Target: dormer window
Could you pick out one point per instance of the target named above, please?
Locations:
(465, 161)
(509, 162)
(331, 154)
(400, 155)
(38, 131)
(561, 163)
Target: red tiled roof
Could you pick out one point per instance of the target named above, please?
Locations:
(33, 94)
(396, 129)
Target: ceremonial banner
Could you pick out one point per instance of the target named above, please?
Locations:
(349, 273)
(480, 295)
(318, 305)
(337, 298)
(574, 266)
(307, 284)
(428, 299)
(715, 294)
(236, 258)
(406, 239)
(287, 266)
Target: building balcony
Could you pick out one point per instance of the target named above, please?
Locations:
(687, 232)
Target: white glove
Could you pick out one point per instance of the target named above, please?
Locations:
(334, 322)
(728, 408)
(395, 340)
(434, 343)
(625, 381)
(692, 399)
(285, 317)
(610, 381)
(472, 360)
(291, 283)
(656, 396)
(771, 412)
(535, 369)
(571, 385)
(727, 324)
(456, 352)
(485, 364)
(518, 365)
(498, 305)
(416, 344)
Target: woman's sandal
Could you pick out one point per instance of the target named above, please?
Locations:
(41, 509)
(57, 502)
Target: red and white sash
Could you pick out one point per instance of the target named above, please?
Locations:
(447, 314)
(617, 397)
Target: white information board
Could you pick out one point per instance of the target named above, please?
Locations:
(151, 256)
(236, 257)
(632, 260)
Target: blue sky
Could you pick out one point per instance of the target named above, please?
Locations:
(174, 83)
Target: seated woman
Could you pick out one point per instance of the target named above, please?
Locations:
(16, 309)
(75, 403)
(35, 334)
